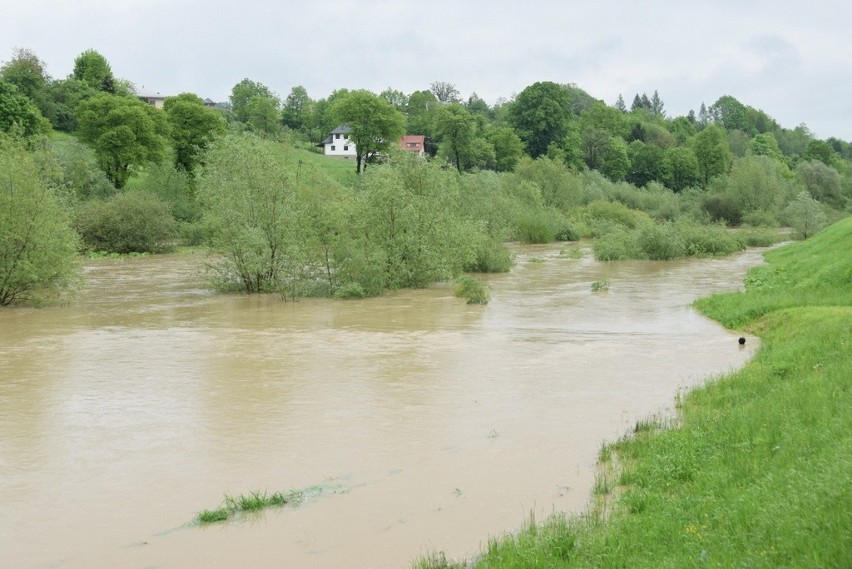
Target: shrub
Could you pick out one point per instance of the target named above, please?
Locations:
(708, 240)
(127, 222)
(723, 207)
(471, 289)
(533, 227)
(617, 245)
(491, 257)
(661, 242)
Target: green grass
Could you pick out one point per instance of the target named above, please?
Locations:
(248, 503)
(474, 291)
(756, 470)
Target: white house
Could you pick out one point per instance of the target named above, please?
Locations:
(152, 98)
(338, 143)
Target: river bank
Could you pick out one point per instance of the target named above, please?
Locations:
(755, 471)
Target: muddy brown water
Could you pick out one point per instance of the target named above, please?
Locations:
(427, 423)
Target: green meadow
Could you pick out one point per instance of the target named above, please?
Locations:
(756, 470)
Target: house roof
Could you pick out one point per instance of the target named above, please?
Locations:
(413, 142)
(342, 129)
(144, 93)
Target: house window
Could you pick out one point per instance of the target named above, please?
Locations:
(332, 148)
(337, 136)
(345, 149)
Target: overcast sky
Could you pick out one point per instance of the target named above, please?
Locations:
(791, 59)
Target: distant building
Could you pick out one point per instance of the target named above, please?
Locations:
(152, 98)
(338, 143)
(414, 143)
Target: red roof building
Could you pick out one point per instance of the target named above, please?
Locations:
(413, 143)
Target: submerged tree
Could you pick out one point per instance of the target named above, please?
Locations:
(38, 247)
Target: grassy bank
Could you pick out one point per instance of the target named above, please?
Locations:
(757, 471)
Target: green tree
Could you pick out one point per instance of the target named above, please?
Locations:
(65, 95)
(297, 109)
(38, 247)
(18, 113)
(680, 168)
(755, 182)
(93, 68)
(540, 116)
(124, 133)
(646, 163)
(248, 191)
(731, 114)
(508, 148)
(711, 150)
(242, 93)
(376, 125)
(822, 182)
(193, 127)
(454, 126)
(420, 111)
(262, 115)
(396, 98)
(26, 71)
(820, 150)
(804, 215)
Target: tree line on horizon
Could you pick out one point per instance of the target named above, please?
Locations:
(551, 163)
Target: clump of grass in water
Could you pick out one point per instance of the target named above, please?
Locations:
(253, 502)
(600, 286)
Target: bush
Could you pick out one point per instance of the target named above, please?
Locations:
(471, 289)
(534, 227)
(491, 257)
(617, 245)
(125, 223)
(661, 242)
(723, 207)
(708, 240)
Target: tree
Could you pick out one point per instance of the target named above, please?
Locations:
(250, 203)
(38, 247)
(756, 184)
(18, 113)
(454, 125)
(804, 215)
(657, 106)
(242, 93)
(375, 124)
(711, 150)
(297, 108)
(93, 68)
(65, 95)
(820, 150)
(731, 114)
(508, 148)
(445, 92)
(646, 163)
(396, 98)
(262, 115)
(193, 128)
(477, 106)
(26, 71)
(124, 133)
(822, 182)
(619, 104)
(420, 111)
(680, 168)
(540, 116)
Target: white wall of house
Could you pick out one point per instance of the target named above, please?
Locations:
(340, 146)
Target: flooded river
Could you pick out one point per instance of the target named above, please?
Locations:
(427, 424)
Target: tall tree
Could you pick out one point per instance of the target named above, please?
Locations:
(454, 125)
(375, 124)
(657, 106)
(193, 128)
(123, 131)
(541, 115)
(93, 68)
(508, 148)
(619, 104)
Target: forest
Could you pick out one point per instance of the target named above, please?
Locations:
(89, 168)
